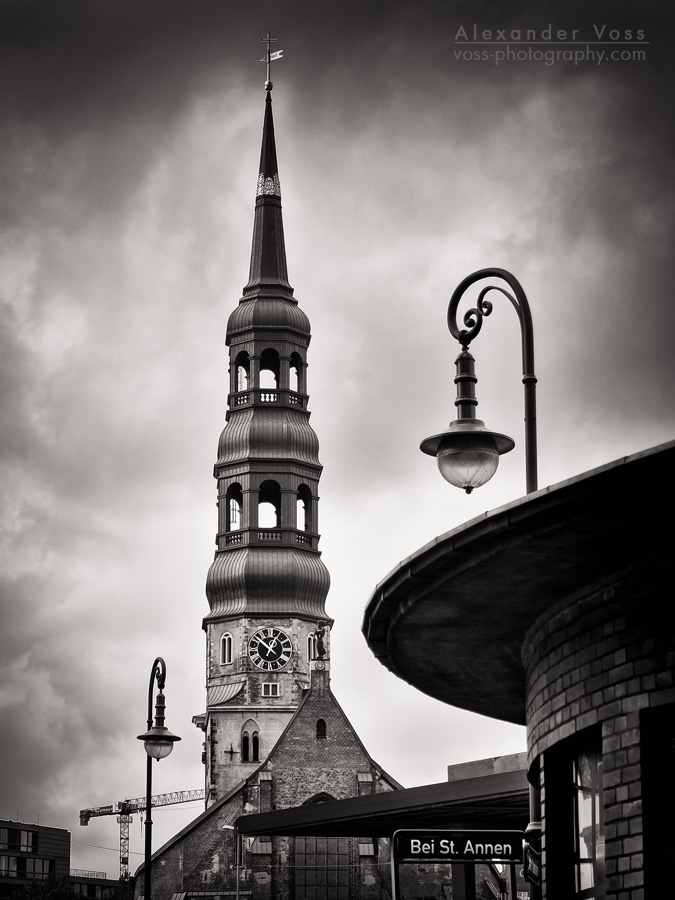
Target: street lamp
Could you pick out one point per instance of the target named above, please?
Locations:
(158, 742)
(468, 453)
(237, 856)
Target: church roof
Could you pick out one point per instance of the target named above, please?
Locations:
(321, 682)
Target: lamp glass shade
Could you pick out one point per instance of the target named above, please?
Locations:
(158, 742)
(468, 460)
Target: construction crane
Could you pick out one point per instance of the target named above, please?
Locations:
(124, 808)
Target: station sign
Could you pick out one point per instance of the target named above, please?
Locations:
(431, 845)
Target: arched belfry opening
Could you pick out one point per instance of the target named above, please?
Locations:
(297, 374)
(269, 505)
(234, 507)
(269, 370)
(304, 518)
(242, 372)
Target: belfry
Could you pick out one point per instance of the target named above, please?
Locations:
(267, 586)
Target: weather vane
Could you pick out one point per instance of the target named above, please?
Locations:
(269, 57)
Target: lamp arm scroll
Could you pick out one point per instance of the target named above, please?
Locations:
(473, 320)
(158, 674)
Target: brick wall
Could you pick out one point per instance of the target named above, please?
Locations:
(597, 661)
(300, 767)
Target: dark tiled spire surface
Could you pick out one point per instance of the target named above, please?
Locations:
(268, 270)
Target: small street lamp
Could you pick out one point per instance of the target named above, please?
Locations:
(158, 742)
(468, 453)
(237, 856)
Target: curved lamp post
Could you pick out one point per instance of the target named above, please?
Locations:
(158, 742)
(467, 452)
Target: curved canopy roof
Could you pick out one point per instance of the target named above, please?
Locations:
(495, 801)
(452, 618)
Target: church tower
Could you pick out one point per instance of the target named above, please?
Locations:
(267, 627)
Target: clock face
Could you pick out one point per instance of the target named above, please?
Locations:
(269, 649)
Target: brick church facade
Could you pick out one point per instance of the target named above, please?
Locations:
(274, 735)
(317, 757)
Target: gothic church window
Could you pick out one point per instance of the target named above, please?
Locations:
(250, 742)
(311, 646)
(226, 649)
(321, 729)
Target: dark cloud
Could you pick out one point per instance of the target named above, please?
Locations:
(129, 140)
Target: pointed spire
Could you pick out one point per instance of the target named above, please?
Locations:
(268, 273)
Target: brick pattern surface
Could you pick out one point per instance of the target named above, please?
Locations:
(599, 661)
(301, 767)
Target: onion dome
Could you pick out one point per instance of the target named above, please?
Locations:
(270, 581)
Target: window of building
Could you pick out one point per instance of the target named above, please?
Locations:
(589, 840)
(18, 839)
(575, 842)
(250, 742)
(270, 689)
(261, 845)
(8, 866)
(321, 729)
(26, 867)
(322, 868)
(311, 646)
(226, 649)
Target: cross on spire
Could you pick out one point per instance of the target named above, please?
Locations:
(270, 57)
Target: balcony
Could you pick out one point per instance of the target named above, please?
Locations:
(286, 537)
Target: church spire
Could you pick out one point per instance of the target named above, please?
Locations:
(268, 274)
(267, 585)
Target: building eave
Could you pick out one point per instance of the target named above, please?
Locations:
(501, 800)
(452, 618)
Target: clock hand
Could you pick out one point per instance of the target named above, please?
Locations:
(269, 647)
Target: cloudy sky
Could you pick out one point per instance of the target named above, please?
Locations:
(129, 143)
